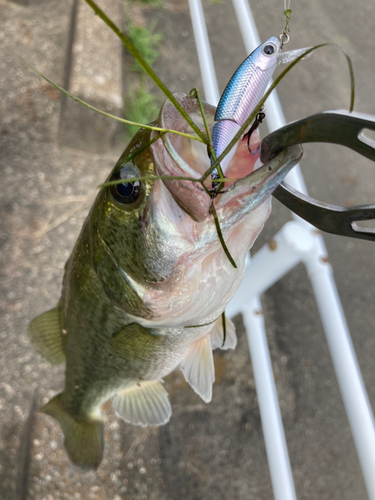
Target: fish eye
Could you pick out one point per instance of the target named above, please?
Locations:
(269, 49)
(126, 192)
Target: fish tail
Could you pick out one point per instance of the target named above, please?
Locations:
(83, 437)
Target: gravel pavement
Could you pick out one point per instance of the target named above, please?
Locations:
(50, 166)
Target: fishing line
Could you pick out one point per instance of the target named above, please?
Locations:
(284, 37)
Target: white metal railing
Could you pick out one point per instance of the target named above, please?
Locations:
(296, 242)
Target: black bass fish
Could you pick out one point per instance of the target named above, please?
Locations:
(148, 280)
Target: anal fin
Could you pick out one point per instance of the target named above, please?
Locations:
(198, 367)
(46, 335)
(217, 335)
(143, 403)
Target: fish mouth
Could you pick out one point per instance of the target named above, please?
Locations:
(180, 156)
(176, 155)
(245, 159)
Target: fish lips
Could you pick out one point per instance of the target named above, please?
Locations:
(251, 191)
(175, 155)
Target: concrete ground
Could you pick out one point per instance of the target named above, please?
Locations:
(51, 161)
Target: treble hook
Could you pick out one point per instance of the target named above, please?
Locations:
(258, 120)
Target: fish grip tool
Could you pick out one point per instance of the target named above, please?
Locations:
(336, 127)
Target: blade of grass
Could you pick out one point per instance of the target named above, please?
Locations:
(160, 178)
(204, 324)
(195, 93)
(224, 328)
(221, 238)
(139, 150)
(117, 118)
(128, 44)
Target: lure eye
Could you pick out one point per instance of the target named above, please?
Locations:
(269, 49)
(126, 192)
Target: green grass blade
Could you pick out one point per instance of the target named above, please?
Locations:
(113, 117)
(139, 150)
(128, 44)
(221, 238)
(204, 324)
(195, 93)
(224, 328)
(148, 178)
(159, 177)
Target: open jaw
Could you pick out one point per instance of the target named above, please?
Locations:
(180, 156)
(244, 161)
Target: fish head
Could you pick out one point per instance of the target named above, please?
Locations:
(178, 156)
(159, 236)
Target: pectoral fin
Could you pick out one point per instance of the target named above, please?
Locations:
(46, 335)
(134, 342)
(143, 403)
(217, 335)
(198, 367)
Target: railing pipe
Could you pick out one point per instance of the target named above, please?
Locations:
(291, 245)
(277, 452)
(206, 64)
(345, 363)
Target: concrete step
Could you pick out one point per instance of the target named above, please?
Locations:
(93, 72)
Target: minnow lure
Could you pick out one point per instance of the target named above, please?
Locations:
(243, 92)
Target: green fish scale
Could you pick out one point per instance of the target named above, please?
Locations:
(94, 371)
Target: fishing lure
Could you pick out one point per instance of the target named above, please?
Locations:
(242, 94)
